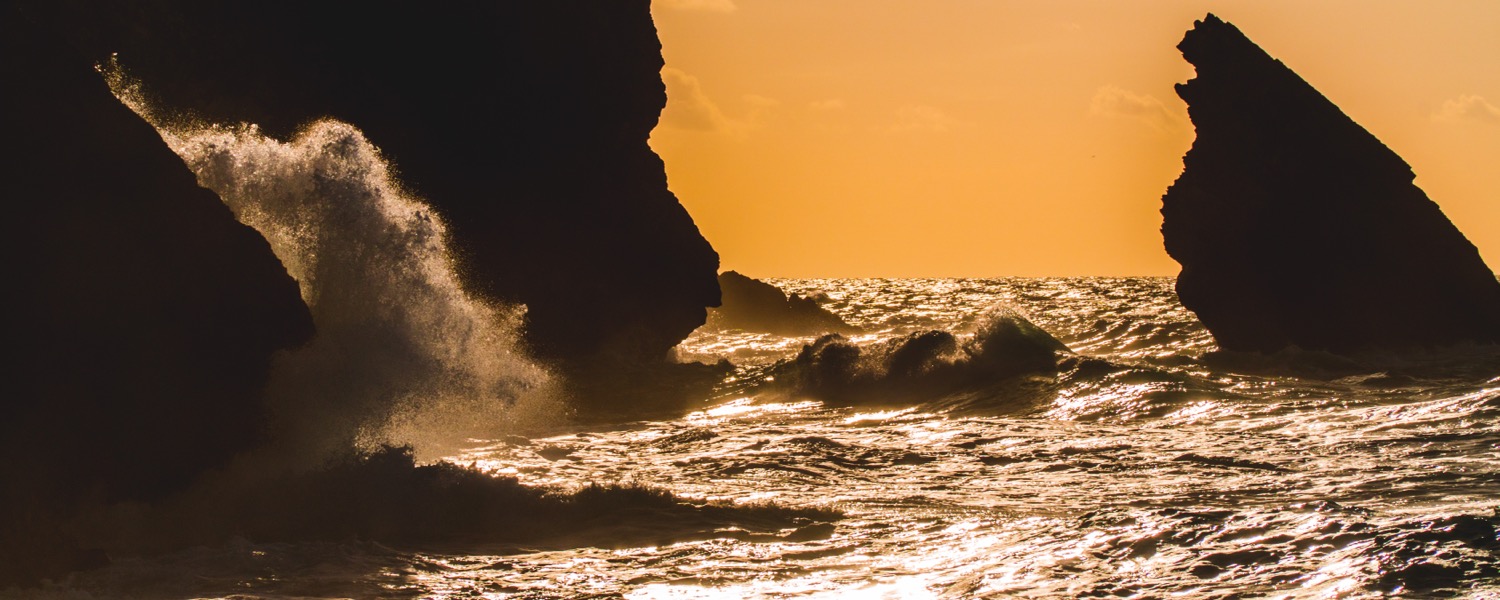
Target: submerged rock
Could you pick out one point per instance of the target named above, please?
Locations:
(1295, 226)
(143, 315)
(524, 123)
(754, 305)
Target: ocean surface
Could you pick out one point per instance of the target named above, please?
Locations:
(1150, 466)
(973, 463)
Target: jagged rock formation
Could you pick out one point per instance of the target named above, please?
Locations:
(1295, 226)
(755, 305)
(535, 153)
(143, 316)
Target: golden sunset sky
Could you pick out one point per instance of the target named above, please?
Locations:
(907, 138)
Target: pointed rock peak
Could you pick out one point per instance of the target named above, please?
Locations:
(1297, 227)
(1214, 41)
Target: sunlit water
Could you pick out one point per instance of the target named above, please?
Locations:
(1167, 474)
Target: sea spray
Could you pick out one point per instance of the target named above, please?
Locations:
(403, 355)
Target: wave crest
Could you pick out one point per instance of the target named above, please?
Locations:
(403, 355)
(922, 365)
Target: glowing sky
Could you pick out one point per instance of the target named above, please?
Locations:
(848, 138)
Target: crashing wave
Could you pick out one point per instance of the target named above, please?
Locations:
(923, 365)
(403, 354)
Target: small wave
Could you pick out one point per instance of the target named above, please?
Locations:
(305, 529)
(1314, 549)
(921, 366)
(1094, 389)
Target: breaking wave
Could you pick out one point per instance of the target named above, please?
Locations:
(403, 354)
(921, 365)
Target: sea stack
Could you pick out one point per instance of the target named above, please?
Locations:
(1296, 227)
(754, 305)
(525, 124)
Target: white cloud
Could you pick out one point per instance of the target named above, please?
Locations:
(924, 119)
(708, 5)
(1467, 107)
(689, 108)
(1114, 102)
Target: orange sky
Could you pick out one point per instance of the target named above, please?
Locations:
(904, 138)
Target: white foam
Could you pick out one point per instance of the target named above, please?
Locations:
(403, 354)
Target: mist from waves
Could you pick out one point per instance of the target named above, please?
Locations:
(403, 354)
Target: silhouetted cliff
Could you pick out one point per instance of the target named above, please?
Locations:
(1295, 226)
(754, 305)
(142, 315)
(525, 123)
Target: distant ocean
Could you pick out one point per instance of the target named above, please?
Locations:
(1154, 468)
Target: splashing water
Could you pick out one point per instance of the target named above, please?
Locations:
(403, 354)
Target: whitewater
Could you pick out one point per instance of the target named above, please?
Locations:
(1162, 470)
(1128, 458)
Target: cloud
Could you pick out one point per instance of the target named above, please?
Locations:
(1467, 107)
(829, 104)
(1114, 102)
(689, 108)
(708, 5)
(924, 118)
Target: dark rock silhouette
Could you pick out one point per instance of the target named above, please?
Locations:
(524, 123)
(385, 495)
(143, 316)
(1295, 226)
(754, 305)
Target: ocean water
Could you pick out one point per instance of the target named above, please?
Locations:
(1137, 463)
(1156, 468)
